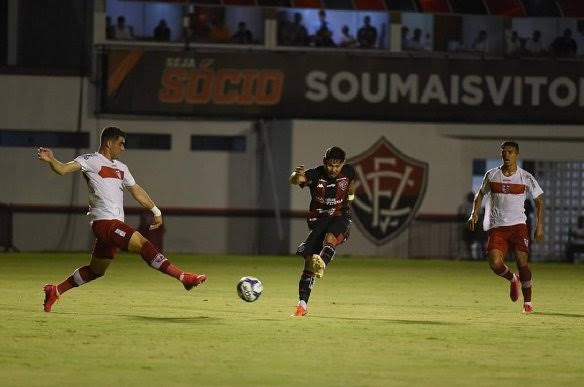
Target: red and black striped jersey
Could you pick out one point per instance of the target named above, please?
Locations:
(329, 196)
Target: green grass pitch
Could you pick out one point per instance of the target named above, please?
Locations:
(371, 322)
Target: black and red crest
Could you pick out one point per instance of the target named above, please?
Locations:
(389, 188)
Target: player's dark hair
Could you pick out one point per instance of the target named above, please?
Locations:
(111, 133)
(335, 153)
(510, 143)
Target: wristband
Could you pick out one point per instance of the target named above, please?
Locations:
(156, 211)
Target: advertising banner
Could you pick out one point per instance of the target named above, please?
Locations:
(287, 85)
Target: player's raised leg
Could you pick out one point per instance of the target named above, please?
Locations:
(496, 261)
(96, 268)
(150, 255)
(525, 276)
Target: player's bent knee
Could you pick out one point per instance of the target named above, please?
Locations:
(136, 242)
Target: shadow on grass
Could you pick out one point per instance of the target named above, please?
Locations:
(177, 320)
(390, 320)
(572, 315)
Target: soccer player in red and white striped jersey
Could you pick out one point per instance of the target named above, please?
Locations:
(107, 177)
(508, 186)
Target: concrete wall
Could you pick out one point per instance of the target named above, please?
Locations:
(221, 180)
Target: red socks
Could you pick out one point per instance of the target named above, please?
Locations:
(79, 277)
(525, 276)
(503, 271)
(151, 256)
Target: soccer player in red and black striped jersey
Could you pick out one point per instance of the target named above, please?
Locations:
(329, 218)
(507, 186)
(107, 177)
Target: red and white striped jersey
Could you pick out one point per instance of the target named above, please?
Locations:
(507, 196)
(106, 181)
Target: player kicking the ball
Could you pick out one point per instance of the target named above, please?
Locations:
(508, 185)
(329, 218)
(106, 179)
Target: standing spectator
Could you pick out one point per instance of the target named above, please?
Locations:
(109, 28)
(367, 35)
(565, 46)
(162, 32)
(243, 35)
(285, 30)
(301, 36)
(323, 36)
(347, 40)
(534, 46)
(122, 31)
(481, 43)
(513, 45)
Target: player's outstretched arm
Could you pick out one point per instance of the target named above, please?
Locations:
(297, 177)
(45, 154)
(538, 235)
(476, 207)
(142, 197)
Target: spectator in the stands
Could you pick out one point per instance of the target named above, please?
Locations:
(347, 40)
(565, 45)
(534, 46)
(301, 36)
(162, 32)
(122, 31)
(481, 43)
(367, 35)
(109, 28)
(218, 33)
(512, 44)
(285, 30)
(243, 35)
(323, 36)
(416, 44)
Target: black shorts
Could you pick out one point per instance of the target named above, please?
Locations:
(339, 226)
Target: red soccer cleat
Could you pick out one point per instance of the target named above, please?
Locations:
(300, 311)
(191, 280)
(514, 288)
(527, 308)
(50, 297)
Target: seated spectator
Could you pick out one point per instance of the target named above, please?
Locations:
(481, 43)
(575, 240)
(534, 46)
(564, 46)
(122, 31)
(301, 37)
(367, 35)
(347, 40)
(513, 45)
(428, 46)
(162, 32)
(218, 33)
(109, 28)
(243, 35)
(405, 40)
(416, 44)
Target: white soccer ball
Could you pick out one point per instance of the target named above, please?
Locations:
(249, 288)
